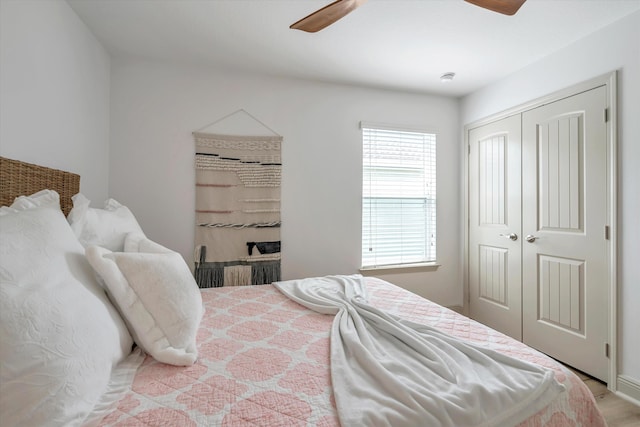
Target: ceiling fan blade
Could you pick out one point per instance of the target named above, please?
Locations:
(326, 16)
(506, 7)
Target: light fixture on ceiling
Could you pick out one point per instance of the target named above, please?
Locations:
(447, 77)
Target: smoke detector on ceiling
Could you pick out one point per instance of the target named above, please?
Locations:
(447, 77)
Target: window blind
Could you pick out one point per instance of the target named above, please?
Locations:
(398, 197)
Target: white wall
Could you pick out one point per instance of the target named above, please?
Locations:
(54, 91)
(156, 106)
(614, 47)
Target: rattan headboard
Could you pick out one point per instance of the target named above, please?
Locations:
(19, 178)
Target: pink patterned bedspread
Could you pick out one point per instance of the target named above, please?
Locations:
(264, 361)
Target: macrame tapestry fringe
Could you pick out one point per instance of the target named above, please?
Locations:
(213, 274)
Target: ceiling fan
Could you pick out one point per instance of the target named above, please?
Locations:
(333, 11)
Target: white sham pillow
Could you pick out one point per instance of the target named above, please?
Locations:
(156, 294)
(61, 340)
(106, 227)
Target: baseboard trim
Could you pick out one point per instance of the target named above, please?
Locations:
(628, 389)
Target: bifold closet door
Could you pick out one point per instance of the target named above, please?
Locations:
(494, 225)
(564, 243)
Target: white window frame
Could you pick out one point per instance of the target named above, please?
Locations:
(412, 181)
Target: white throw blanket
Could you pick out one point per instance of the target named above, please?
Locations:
(391, 372)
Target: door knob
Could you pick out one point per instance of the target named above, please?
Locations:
(512, 236)
(530, 238)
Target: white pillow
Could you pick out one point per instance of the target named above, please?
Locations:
(60, 337)
(41, 198)
(106, 227)
(138, 242)
(157, 295)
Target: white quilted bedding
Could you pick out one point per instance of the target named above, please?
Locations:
(264, 361)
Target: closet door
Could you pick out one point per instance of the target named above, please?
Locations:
(495, 225)
(564, 244)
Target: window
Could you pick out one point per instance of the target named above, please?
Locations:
(398, 197)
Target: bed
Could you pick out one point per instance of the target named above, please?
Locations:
(252, 356)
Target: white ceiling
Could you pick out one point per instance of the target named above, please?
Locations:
(396, 44)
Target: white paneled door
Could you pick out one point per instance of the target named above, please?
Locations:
(495, 225)
(565, 247)
(538, 209)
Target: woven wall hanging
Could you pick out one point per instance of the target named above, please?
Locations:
(237, 209)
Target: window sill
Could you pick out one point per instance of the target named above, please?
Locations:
(423, 266)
